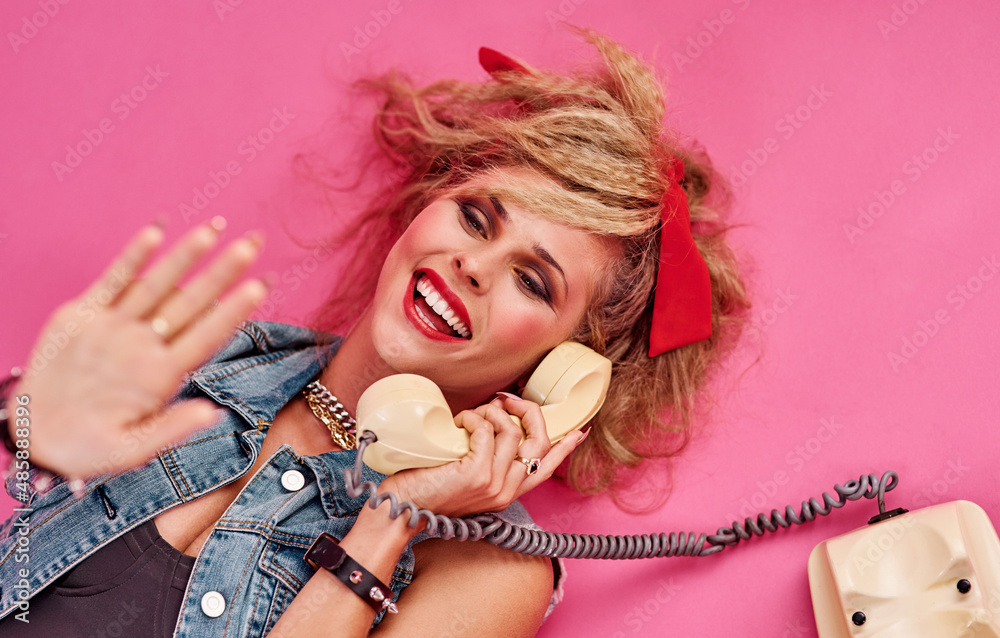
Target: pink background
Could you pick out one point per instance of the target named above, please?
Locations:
(881, 96)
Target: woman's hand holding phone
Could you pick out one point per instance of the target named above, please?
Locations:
(124, 346)
(490, 477)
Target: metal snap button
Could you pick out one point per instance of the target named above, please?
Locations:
(213, 604)
(292, 480)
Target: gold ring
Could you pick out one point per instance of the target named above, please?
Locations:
(160, 326)
(530, 465)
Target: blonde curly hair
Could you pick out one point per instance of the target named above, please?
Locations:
(599, 135)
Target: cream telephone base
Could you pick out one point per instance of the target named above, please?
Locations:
(933, 572)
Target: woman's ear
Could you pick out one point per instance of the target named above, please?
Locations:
(520, 385)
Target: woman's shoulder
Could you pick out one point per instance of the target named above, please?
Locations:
(530, 585)
(500, 588)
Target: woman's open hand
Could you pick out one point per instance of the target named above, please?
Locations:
(107, 361)
(491, 476)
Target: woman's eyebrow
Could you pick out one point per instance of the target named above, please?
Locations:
(547, 257)
(539, 251)
(500, 211)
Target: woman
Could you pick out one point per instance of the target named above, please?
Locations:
(528, 210)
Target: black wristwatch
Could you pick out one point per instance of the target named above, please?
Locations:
(327, 553)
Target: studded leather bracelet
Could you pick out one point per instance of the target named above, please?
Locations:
(327, 553)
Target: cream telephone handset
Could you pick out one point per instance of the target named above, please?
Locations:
(415, 428)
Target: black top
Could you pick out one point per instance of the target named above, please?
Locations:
(133, 586)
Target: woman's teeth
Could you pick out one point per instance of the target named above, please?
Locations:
(440, 306)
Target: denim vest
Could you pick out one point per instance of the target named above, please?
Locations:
(253, 557)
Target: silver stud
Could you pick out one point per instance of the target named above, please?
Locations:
(376, 594)
(355, 577)
(390, 607)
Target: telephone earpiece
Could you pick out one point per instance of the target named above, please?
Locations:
(415, 427)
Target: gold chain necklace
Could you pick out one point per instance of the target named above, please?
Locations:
(332, 413)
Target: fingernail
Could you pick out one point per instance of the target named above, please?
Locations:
(78, 487)
(218, 223)
(257, 238)
(510, 396)
(583, 436)
(42, 483)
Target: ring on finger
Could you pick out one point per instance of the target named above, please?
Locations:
(530, 465)
(160, 326)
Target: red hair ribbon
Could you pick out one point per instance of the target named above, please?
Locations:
(682, 301)
(495, 62)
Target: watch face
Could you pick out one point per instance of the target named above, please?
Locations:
(325, 552)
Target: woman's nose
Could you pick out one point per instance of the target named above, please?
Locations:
(473, 270)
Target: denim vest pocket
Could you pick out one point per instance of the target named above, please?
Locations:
(285, 561)
(281, 581)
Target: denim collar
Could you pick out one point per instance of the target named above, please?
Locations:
(270, 372)
(265, 366)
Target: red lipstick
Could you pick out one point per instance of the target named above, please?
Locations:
(432, 325)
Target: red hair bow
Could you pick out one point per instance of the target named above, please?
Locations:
(682, 301)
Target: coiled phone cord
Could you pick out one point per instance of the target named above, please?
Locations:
(535, 542)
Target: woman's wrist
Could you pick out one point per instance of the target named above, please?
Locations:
(378, 535)
(327, 554)
(376, 540)
(375, 543)
(15, 431)
(8, 409)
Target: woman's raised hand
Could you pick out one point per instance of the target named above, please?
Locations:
(106, 362)
(492, 475)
